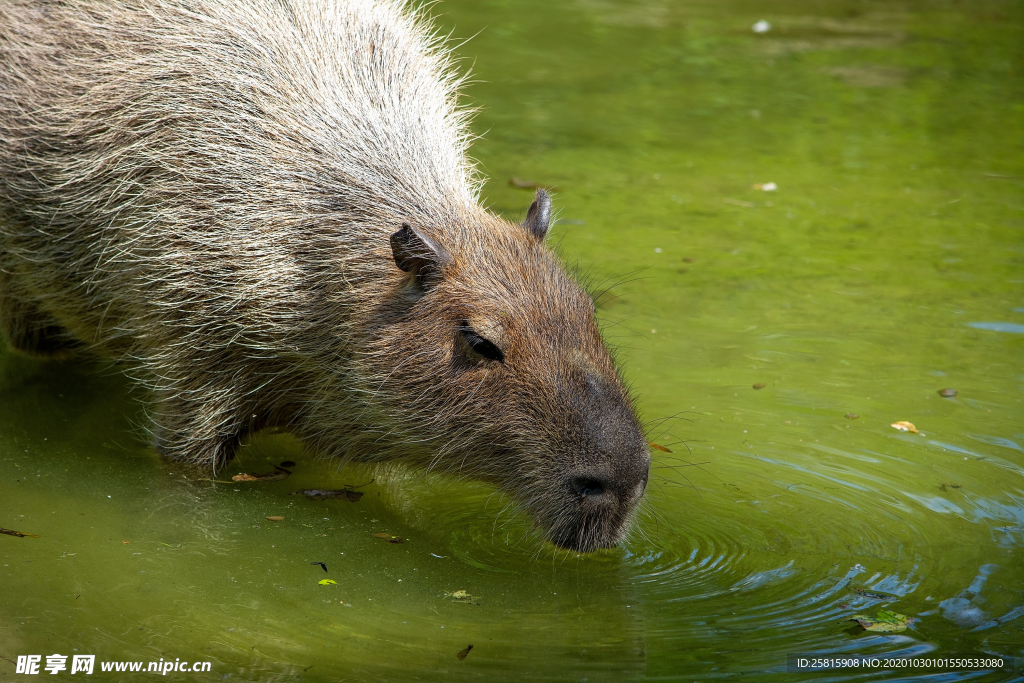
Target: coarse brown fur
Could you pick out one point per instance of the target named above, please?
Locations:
(213, 192)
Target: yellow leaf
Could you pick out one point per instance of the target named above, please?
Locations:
(261, 477)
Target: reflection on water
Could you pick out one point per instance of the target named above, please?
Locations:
(845, 296)
(1014, 328)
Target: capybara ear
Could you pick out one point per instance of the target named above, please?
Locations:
(416, 253)
(538, 217)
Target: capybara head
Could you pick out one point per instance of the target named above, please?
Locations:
(489, 353)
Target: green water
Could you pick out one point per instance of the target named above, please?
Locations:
(894, 132)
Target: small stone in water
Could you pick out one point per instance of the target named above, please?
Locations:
(381, 534)
(760, 385)
(872, 596)
(851, 416)
(904, 426)
(462, 653)
(947, 393)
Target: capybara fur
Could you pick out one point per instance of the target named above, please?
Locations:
(265, 211)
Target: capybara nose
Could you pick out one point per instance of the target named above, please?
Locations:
(590, 487)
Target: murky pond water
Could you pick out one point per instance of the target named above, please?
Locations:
(772, 336)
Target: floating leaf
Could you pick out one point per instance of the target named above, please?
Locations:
(280, 474)
(275, 518)
(884, 622)
(327, 582)
(462, 653)
(462, 596)
(904, 426)
(19, 534)
(389, 538)
(322, 494)
(946, 487)
(659, 447)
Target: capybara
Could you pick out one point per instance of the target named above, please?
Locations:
(264, 210)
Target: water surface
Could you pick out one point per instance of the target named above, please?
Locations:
(887, 264)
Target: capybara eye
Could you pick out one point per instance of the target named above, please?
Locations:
(481, 345)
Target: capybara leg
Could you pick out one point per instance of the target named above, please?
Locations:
(199, 432)
(28, 330)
